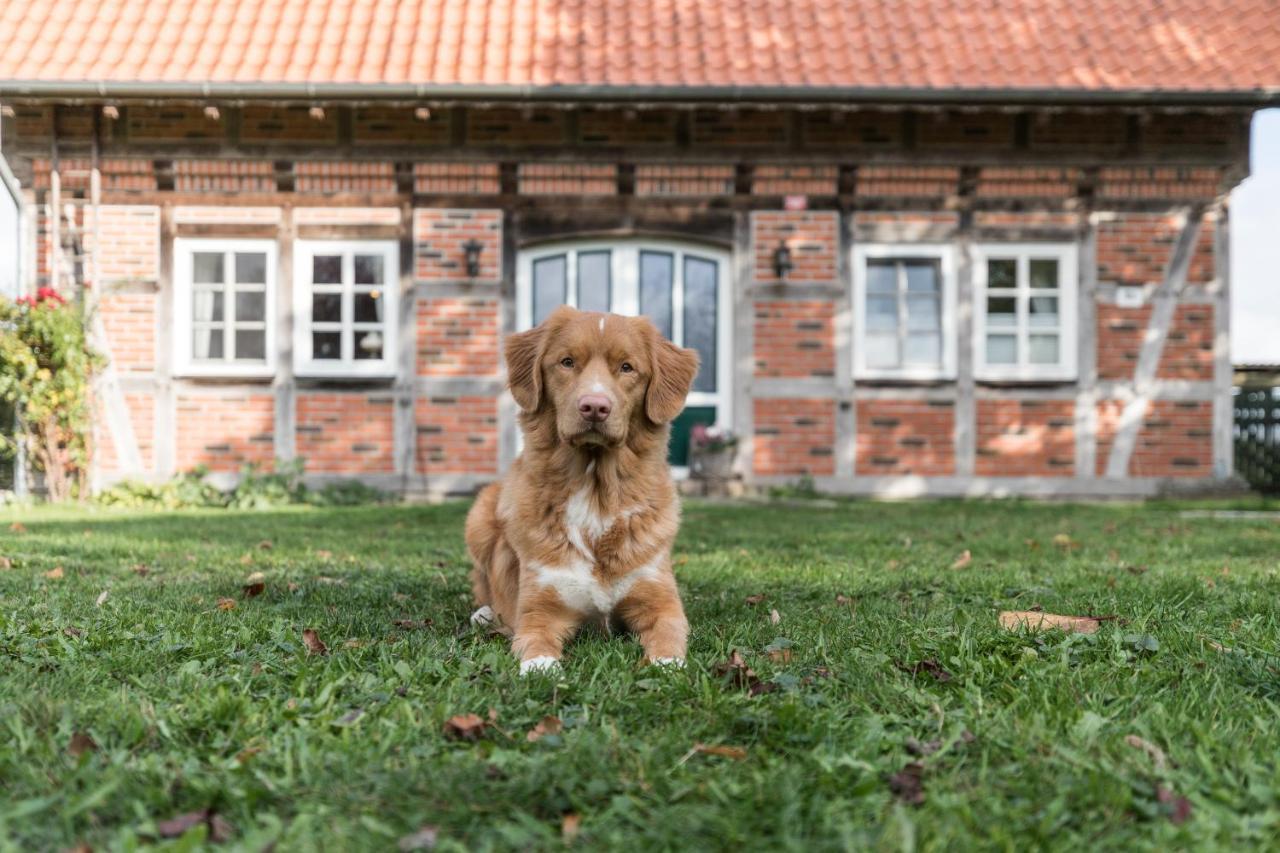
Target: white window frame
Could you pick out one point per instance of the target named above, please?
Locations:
(1068, 289)
(945, 255)
(624, 281)
(185, 364)
(348, 366)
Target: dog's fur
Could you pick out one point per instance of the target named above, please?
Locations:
(581, 527)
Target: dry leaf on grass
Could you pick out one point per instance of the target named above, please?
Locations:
(1063, 541)
(569, 825)
(315, 646)
(929, 666)
(17, 527)
(219, 829)
(141, 570)
(963, 560)
(102, 598)
(54, 574)
(81, 743)
(73, 632)
(411, 624)
(1155, 753)
(265, 545)
(734, 753)
(548, 725)
(774, 617)
(754, 599)
(922, 748)
(226, 604)
(841, 598)
(253, 590)
(465, 727)
(247, 559)
(908, 784)
(423, 839)
(1177, 807)
(1031, 620)
(5, 564)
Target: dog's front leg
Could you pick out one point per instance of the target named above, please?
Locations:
(654, 612)
(544, 624)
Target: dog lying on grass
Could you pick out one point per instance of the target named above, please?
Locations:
(581, 527)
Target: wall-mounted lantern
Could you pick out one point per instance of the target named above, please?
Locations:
(782, 261)
(472, 249)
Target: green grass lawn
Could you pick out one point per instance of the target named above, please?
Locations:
(197, 697)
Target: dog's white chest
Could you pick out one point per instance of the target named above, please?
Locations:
(581, 590)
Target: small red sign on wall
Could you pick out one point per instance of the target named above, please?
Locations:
(796, 202)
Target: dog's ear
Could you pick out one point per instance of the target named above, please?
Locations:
(673, 372)
(524, 367)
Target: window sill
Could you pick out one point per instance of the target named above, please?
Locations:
(336, 372)
(1022, 378)
(903, 376)
(225, 371)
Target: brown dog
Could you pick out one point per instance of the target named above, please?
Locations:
(581, 526)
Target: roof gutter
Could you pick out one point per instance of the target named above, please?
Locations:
(591, 93)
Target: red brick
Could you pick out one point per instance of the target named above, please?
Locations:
(129, 320)
(810, 235)
(224, 432)
(346, 433)
(1175, 439)
(439, 236)
(794, 338)
(1025, 438)
(457, 435)
(458, 337)
(906, 437)
(794, 437)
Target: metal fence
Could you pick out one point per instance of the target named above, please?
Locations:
(1257, 436)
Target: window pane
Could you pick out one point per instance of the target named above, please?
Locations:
(922, 276)
(368, 346)
(369, 307)
(206, 268)
(1043, 349)
(922, 313)
(882, 351)
(700, 284)
(207, 342)
(1002, 311)
(882, 276)
(251, 268)
(655, 289)
(251, 306)
(326, 269)
(368, 269)
(326, 307)
(593, 281)
(1002, 349)
(206, 305)
(251, 344)
(326, 345)
(882, 313)
(548, 286)
(1002, 272)
(1044, 311)
(1044, 272)
(923, 349)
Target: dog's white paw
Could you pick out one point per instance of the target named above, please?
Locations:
(484, 617)
(542, 663)
(674, 663)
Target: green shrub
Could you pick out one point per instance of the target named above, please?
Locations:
(256, 489)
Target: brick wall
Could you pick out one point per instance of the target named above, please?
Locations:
(458, 337)
(224, 432)
(130, 242)
(397, 126)
(794, 437)
(130, 323)
(905, 437)
(1188, 349)
(457, 435)
(142, 417)
(174, 123)
(1175, 440)
(740, 127)
(810, 235)
(438, 238)
(345, 433)
(1025, 438)
(794, 338)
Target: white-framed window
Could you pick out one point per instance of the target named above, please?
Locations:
(1025, 311)
(682, 287)
(224, 307)
(904, 311)
(345, 299)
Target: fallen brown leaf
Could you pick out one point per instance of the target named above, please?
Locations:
(1155, 753)
(841, 598)
(177, 826)
(220, 829)
(754, 599)
(1064, 541)
(54, 574)
(315, 646)
(323, 554)
(569, 825)
(265, 545)
(423, 839)
(1178, 807)
(782, 655)
(73, 631)
(141, 570)
(735, 753)
(247, 559)
(1030, 620)
(774, 617)
(548, 725)
(5, 564)
(908, 784)
(922, 749)
(81, 743)
(465, 727)
(930, 666)
(17, 527)
(226, 604)
(253, 590)
(102, 598)
(963, 560)
(411, 624)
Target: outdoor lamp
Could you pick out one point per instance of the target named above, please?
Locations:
(782, 260)
(472, 249)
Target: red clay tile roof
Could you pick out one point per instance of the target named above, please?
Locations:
(526, 47)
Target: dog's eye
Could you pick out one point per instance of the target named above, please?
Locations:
(626, 367)
(566, 362)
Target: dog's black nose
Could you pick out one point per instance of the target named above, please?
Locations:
(594, 407)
